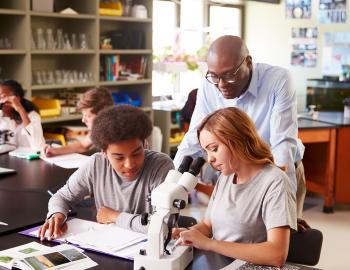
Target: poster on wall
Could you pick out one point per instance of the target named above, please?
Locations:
(304, 46)
(335, 53)
(298, 9)
(332, 11)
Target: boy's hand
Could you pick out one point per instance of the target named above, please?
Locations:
(55, 225)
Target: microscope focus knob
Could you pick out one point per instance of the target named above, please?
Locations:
(144, 219)
(180, 204)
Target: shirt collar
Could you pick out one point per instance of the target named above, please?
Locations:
(253, 85)
(252, 88)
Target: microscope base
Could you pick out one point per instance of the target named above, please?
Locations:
(178, 260)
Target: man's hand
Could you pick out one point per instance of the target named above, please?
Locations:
(55, 225)
(302, 225)
(106, 215)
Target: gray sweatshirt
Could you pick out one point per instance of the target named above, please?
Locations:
(97, 177)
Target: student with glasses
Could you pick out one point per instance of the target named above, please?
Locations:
(264, 92)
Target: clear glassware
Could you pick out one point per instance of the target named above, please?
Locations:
(58, 75)
(83, 42)
(7, 43)
(81, 77)
(65, 77)
(43, 77)
(127, 7)
(74, 42)
(70, 76)
(91, 77)
(67, 45)
(40, 40)
(50, 78)
(51, 44)
(38, 79)
(85, 77)
(75, 76)
(60, 40)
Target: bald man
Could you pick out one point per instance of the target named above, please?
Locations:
(264, 92)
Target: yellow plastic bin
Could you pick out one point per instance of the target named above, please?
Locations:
(48, 107)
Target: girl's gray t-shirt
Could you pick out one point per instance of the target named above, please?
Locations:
(245, 212)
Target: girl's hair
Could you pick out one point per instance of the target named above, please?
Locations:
(17, 90)
(96, 99)
(120, 123)
(236, 130)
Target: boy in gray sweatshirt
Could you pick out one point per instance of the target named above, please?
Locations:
(120, 177)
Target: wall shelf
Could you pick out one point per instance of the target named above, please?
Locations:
(22, 63)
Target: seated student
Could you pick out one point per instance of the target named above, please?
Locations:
(20, 118)
(120, 177)
(252, 208)
(93, 101)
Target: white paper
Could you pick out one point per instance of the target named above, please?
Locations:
(106, 238)
(69, 161)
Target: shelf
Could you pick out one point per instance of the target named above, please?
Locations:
(61, 118)
(59, 52)
(61, 86)
(131, 51)
(11, 51)
(12, 11)
(125, 19)
(63, 16)
(126, 82)
(19, 24)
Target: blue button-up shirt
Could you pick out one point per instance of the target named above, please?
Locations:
(270, 101)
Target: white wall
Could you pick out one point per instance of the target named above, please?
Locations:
(268, 32)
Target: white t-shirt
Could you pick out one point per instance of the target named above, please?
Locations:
(245, 212)
(21, 136)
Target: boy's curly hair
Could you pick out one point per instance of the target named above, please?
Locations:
(120, 123)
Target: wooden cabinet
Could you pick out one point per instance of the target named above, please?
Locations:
(23, 61)
(342, 166)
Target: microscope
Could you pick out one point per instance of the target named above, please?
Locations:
(167, 200)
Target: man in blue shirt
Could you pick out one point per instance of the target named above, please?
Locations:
(264, 92)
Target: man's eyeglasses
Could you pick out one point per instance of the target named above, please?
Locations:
(227, 78)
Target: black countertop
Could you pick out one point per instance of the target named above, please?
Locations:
(324, 118)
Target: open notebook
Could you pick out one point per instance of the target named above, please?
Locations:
(102, 238)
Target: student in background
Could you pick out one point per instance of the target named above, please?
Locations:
(93, 101)
(20, 117)
(252, 208)
(121, 176)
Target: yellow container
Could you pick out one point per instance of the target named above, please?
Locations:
(55, 136)
(48, 107)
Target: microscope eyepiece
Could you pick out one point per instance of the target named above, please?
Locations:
(196, 166)
(185, 164)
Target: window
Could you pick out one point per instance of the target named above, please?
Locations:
(199, 23)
